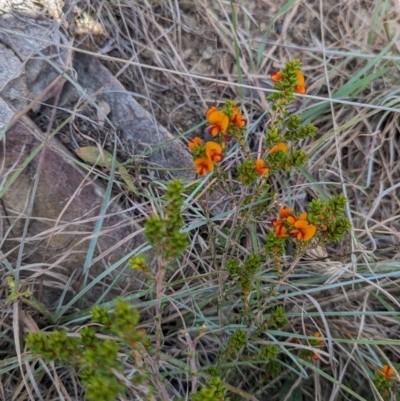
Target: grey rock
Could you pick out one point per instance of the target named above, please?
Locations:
(61, 221)
(46, 234)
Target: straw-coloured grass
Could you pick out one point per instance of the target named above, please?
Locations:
(180, 58)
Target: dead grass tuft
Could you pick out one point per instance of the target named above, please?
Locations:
(349, 291)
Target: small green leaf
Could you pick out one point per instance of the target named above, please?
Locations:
(93, 155)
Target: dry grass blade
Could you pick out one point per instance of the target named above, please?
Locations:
(177, 59)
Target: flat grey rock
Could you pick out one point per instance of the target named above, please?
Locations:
(60, 225)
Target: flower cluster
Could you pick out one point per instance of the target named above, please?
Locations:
(324, 222)
(249, 171)
(386, 382)
(317, 343)
(224, 124)
(205, 155)
(263, 169)
(296, 226)
(228, 123)
(300, 85)
(387, 372)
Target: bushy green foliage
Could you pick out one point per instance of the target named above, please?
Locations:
(164, 233)
(278, 318)
(269, 352)
(274, 245)
(247, 173)
(139, 263)
(95, 359)
(330, 214)
(214, 391)
(236, 342)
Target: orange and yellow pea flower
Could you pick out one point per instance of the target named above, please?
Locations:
(279, 146)
(284, 212)
(260, 167)
(291, 218)
(214, 151)
(317, 334)
(195, 142)
(300, 87)
(238, 119)
(303, 230)
(280, 229)
(219, 121)
(211, 110)
(320, 337)
(276, 76)
(387, 372)
(204, 165)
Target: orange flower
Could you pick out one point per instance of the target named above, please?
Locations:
(284, 211)
(214, 151)
(210, 111)
(280, 146)
(219, 121)
(276, 76)
(291, 219)
(300, 88)
(319, 335)
(260, 168)
(195, 142)
(204, 165)
(280, 230)
(303, 230)
(387, 371)
(238, 119)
